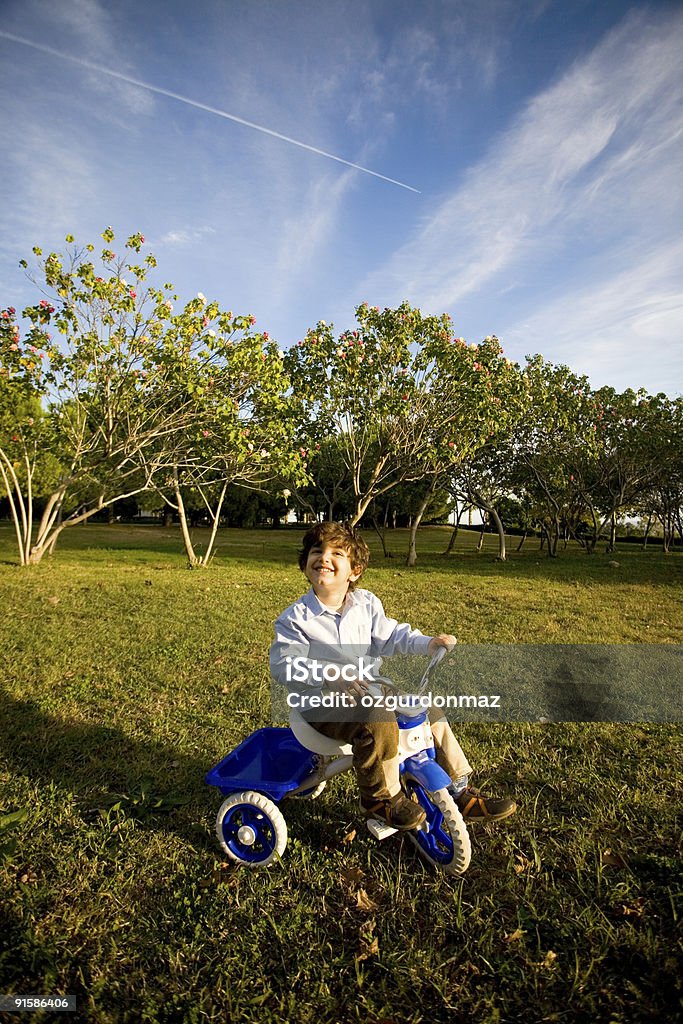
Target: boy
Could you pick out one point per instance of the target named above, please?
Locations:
(334, 619)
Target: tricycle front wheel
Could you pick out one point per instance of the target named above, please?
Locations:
(443, 839)
(251, 829)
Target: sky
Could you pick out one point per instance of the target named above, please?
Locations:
(515, 163)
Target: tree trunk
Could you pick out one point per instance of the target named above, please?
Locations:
(454, 534)
(519, 546)
(381, 535)
(184, 528)
(647, 531)
(208, 554)
(411, 558)
(502, 554)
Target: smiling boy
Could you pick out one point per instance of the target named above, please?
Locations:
(339, 624)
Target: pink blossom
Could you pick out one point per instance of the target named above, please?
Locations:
(265, 335)
(205, 433)
(142, 238)
(13, 348)
(11, 310)
(132, 293)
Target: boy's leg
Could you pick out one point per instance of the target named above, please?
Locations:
(375, 752)
(374, 739)
(449, 754)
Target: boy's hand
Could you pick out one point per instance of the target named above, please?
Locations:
(442, 640)
(354, 688)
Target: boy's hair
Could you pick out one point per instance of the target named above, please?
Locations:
(341, 534)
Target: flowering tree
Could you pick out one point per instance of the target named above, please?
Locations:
(663, 495)
(554, 436)
(26, 466)
(130, 386)
(402, 397)
(243, 433)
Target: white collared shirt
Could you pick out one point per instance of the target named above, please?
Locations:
(308, 630)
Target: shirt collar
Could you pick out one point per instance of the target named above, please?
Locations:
(313, 604)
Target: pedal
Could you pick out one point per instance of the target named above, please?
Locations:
(379, 829)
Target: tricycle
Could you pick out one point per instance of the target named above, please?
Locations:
(275, 764)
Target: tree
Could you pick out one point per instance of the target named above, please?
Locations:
(27, 467)
(244, 434)
(403, 397)
(554, 435)
(663, 497)
(130, 387)
(618, 466)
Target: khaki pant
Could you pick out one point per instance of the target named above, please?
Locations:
(375, 750)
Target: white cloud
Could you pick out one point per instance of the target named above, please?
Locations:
(561, 164)
(624, 331)
(184, 236)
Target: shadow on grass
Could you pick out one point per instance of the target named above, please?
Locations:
(99, 765)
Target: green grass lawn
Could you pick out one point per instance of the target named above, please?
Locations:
(125, 677)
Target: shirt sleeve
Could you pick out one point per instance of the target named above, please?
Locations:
(389, 636)
(289, 661)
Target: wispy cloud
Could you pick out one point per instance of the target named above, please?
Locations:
(623, 331)
(184, 236)
(594, 130)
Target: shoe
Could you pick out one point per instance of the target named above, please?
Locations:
(399, 812)
(475, 807)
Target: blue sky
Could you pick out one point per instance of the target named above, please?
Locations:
(545, 140)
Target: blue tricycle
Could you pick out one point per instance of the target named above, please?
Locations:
(275, 764)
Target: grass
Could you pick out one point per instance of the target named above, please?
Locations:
(125, 677)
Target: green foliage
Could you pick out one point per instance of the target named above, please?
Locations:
(133, 390)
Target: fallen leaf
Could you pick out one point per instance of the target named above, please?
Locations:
(516, 935)
(613, 860)
(53, 600)
(549, 960)
(352, 876)
(223, 875)
(523, 863)
(350, 836)
(363, 902)
(635, 909)
(369, 949)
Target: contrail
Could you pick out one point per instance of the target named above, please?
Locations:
(200, 106)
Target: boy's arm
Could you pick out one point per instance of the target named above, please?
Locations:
(289, 661)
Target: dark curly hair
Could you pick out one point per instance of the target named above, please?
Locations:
(342, 534)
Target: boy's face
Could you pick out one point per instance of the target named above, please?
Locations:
(329, 569)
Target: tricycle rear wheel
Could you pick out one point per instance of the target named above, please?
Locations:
(251, 829)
